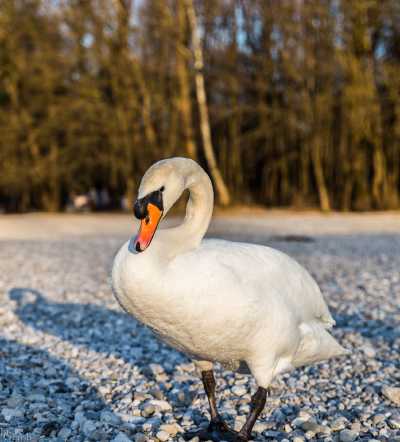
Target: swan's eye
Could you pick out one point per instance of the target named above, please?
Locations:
(162, 188)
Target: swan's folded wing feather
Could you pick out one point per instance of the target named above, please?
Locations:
(269, 271)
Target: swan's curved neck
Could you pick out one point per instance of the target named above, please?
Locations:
(199, 208)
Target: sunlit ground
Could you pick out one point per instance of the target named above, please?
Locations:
(72, 364)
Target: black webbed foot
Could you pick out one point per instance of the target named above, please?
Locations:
(216, 431)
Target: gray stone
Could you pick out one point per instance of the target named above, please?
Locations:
(11, 413)
(15, 401)
(64, 433)
(298, 422)
(314, 427)
(88, 426)
(99, 436)
(347, 436)
(110, 418)
(121, 437)
(137, 420)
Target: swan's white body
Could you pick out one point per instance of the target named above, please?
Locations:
(218, 300)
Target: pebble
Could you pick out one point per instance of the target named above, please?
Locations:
(10, 413)
(156, 369)
(151, 424)
(136, 420)
(394, 422)
(368, 350)
(314, 427)
(161, 405)
(35, 397)
(259, 427)
(239, 390)
(148, 410)
(64, 433)
(15, 401)
(347, 436)
(110, 418)
(121, 437)
(79, 417)
(163, 436)
(88, 427)
(298, 422)
(338, 424)
(378, 418)
(392, 393)
(171, 429)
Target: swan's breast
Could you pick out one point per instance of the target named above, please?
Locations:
(191, 310)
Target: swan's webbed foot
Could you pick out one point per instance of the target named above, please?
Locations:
(216, 432)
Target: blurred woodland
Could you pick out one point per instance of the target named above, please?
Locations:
(302, 100)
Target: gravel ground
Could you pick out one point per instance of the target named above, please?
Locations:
(74, 367)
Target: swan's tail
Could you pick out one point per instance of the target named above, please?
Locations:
(317, 344)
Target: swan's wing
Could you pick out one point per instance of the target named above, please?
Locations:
(269, 271)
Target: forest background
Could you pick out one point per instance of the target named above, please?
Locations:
(285, 103)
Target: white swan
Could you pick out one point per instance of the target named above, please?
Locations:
(235, 303)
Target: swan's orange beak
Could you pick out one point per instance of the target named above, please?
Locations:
(149, 210)
(148, 227)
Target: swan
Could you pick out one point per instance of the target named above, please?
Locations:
(245, 306)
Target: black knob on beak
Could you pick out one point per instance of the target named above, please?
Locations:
(140, 208)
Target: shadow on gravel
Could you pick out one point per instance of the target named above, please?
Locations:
(39, 394)
(106, 332)
(97, 328)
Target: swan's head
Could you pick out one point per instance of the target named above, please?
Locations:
(159, 189)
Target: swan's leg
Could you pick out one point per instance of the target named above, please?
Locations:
(256, 406)
(209, 386)
(217, 430)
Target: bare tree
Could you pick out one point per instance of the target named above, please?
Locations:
(222, 190)
(184, 101)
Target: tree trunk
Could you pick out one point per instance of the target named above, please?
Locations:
(222, 190)
(51, 197)
(184, 102)
(378, 179)
(320, 178)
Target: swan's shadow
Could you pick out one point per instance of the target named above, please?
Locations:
(105, 331)
(34, 382)
(95, 327)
